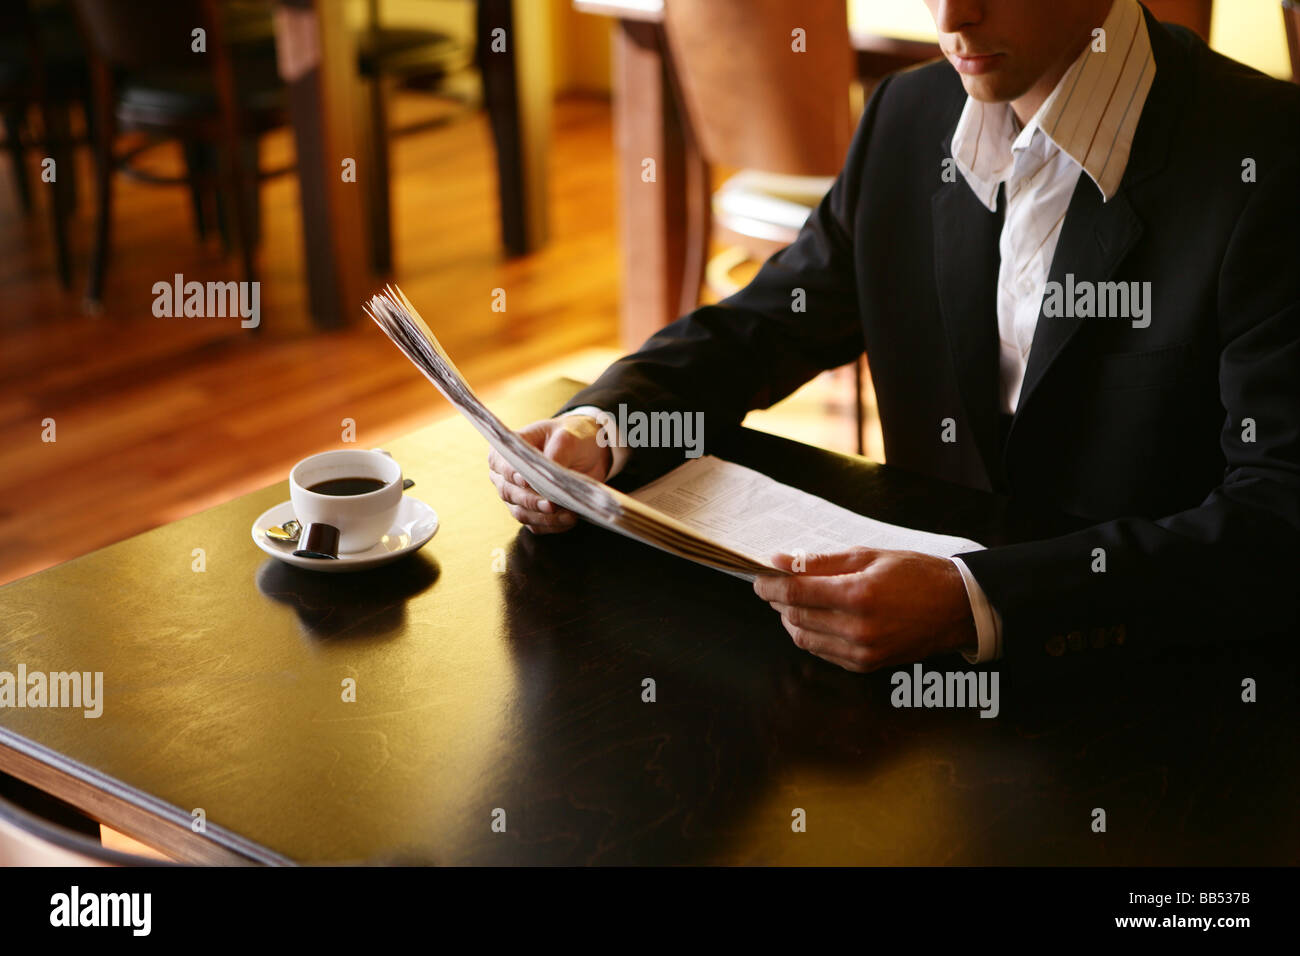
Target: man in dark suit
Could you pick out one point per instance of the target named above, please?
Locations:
(1069, 254)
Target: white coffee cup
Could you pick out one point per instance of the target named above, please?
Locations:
(362, 520)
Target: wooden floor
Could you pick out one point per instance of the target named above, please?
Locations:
(156, 418)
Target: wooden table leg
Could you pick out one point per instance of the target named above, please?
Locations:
(656, 213)
(318, 60)
(513, 44)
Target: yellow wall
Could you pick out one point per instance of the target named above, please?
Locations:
(580, 49)
(1251, 31)
(580, 43)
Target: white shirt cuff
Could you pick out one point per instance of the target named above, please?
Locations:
(988, 622)
(614, 440)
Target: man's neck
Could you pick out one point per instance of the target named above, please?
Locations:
(1027, 105)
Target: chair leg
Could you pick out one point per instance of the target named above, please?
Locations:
(250, 157)
(238, 210)
(377, 178)
(59, 228)
(237, 202)
(103, 216)
(247, 194)
(221, 203)
(105, 129)
(58, 139)
(198, 173)
(501, 98)
(13, 123)
(71, 184)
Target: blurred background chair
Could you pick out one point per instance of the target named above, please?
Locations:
(781, 118)
(42, 77)
(410, 58)
(150, 76)
(219, 105)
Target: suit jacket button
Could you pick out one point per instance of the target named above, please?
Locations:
(1097, 638)
(1055, 645)
(1075, 640)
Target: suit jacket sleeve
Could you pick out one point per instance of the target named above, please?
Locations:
(1228, 567)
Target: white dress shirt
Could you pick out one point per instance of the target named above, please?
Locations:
(1086, 125)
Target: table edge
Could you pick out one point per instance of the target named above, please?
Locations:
(110, 801)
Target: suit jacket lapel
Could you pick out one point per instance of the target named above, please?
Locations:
(966, 274)
(1095, 238)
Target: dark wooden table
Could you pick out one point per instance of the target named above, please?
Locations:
(498, 670)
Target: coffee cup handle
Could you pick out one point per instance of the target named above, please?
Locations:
(407, 483)
(318, 540)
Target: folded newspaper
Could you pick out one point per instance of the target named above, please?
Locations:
(710, 511)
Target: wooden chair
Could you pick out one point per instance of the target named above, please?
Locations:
(760, 96)
(410, 56)
(145, 77)
(1291, 17)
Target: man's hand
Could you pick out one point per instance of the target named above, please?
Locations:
(569, 440)
(865, 609)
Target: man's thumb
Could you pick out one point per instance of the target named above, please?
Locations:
(841, 562)
(536, 433)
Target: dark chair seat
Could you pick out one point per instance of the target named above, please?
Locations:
(166, 98)
(62, 50)
(410, 51)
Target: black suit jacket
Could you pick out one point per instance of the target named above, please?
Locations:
(1142, 431)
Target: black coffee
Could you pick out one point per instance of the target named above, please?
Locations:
(347, 486)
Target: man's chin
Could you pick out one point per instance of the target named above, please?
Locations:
(988, 88)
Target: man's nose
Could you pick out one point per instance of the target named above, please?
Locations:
(951, 16)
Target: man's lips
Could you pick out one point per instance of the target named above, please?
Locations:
(974, 64)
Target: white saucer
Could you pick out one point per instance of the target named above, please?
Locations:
(414, 525)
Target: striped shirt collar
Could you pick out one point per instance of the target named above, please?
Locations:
(1091, 115)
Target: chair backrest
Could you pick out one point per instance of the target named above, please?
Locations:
(1291, 16)
(29, 840)
(144, 34)
(765, 83)
(1188, 13)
